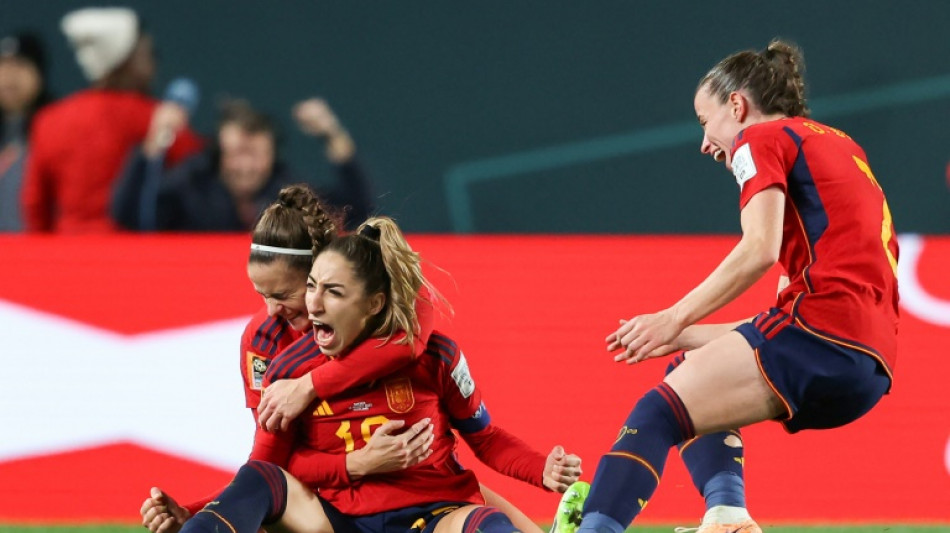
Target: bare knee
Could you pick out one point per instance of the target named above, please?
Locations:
(454, 522)
(304, 512)
(722, 387)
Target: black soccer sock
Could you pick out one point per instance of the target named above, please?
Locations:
(256, 496)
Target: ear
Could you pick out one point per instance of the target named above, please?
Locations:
(376, 303)
(738, 106)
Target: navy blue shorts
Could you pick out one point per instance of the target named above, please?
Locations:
(822, 384)
(418, 519)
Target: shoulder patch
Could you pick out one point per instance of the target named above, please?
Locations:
(743, 166)
(256, 368)
(463, 378)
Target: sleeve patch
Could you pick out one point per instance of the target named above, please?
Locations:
(743, 166)
(463, 378)
(257, 367)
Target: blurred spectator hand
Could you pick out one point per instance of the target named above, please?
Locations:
(315, 117)
(168, 119)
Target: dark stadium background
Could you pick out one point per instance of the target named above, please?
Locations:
(557, 116)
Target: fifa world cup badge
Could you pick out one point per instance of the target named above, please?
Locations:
(257, 367)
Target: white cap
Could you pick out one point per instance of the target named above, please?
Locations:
(103, 38)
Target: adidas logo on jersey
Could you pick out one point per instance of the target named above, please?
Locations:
(323, 409)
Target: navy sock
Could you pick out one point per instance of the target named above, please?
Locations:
(627, 475)
(725, 488)
(487, 520)
(717, 456)
(257, 495)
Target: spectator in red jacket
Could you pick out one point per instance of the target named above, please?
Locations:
(79, 143)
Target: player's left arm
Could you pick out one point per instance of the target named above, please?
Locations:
(492, 444)
(507, 454)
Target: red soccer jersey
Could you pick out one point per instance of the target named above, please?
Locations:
(838, 244)
(77, 147)
(439, 386)
(264, 337)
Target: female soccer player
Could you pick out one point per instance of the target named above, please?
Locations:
(361, 287)
(280, 259)
(822, 356)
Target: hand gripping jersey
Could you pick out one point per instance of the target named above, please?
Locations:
(440, 386)
(838, 244)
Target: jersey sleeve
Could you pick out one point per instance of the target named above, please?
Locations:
(507, 454)
(259, 344)
(252, 394)
(761, 160)
(459, 395)
(196, 505)
(462, 399)
(372, 359)
(319, 469)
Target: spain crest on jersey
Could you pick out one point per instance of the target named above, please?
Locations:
(399, 395)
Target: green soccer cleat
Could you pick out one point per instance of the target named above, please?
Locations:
(568, 516)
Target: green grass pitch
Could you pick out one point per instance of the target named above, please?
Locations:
(875, 528)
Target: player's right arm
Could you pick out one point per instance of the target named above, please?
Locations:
(391, 449)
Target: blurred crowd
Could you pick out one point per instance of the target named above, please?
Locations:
(113, 157)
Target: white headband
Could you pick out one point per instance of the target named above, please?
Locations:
(277, 250)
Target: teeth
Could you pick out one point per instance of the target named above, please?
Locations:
(720, 155)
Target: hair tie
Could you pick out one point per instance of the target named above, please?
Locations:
(370, 232)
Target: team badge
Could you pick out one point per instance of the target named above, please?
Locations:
(399, 395)
(256, 368)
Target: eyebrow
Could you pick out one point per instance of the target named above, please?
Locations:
(330, 285)
(282, 294)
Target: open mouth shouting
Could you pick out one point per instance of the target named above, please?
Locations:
(324, 334)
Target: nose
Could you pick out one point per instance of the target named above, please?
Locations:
(273, 308)
(706, 147)
(314, 302)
